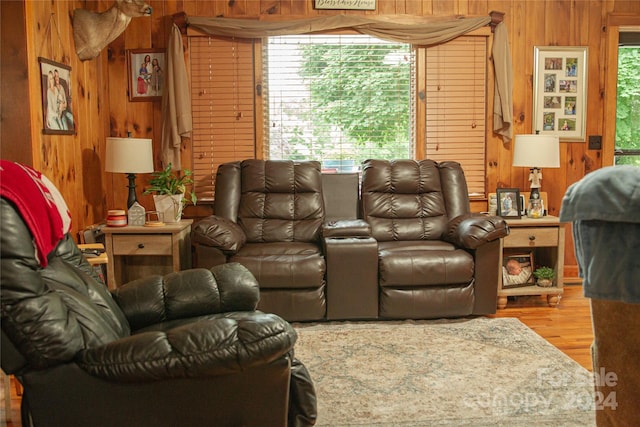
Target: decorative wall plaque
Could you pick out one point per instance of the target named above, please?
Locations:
(346, 4)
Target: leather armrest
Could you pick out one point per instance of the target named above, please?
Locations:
(220, 233)
(473, 230)
(346, 228)
(208, 346)
(188, 293)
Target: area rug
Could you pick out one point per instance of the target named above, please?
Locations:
(466, 372)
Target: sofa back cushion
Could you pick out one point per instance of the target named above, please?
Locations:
(412, 200)
(280, 201)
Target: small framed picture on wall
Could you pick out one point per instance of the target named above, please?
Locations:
(146, 74)
(57, 105)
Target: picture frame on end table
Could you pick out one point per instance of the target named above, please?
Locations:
(560, 91)
(145, 71)
(517, 270)
(509, 204)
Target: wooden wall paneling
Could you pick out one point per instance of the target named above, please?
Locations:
(301, 7)
(421, 105)
(501, 151)
(71, 145)
(521, 29)
(198, 8)
(252, 8)
(413, 7)
(190, 7)
(625, 6)
(388, 7)
(236, 7)
(119, 125)
(37, 17)
(15, 135)
(481, 7)
(444, 7)
(93, 94)
(557, 32)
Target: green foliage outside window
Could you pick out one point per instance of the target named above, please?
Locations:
(364, 92)
(628, 109)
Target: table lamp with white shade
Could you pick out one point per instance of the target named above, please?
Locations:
(129, 156)
(536, 152)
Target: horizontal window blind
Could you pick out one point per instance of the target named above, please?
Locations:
(456, 76)
(223, 106)
(327, 111)
(339, 99)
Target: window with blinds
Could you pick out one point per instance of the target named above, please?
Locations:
(223, 106)
(339, 99)
(456, 76)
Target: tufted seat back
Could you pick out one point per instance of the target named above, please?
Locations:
(272, 200)
(412, 200)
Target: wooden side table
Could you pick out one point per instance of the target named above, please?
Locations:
(99, 261)
(545, 238)
(138, 251)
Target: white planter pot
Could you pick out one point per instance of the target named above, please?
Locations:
(169, 206)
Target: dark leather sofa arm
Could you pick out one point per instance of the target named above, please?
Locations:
(219, 233)
(473, 230)
(346, 228)
(211, 345)
(188, 293)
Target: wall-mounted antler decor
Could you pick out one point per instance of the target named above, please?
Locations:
(93, 31)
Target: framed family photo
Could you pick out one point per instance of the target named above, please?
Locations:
(560, 91)
(57, 106)
(145, 70)
(508, 202)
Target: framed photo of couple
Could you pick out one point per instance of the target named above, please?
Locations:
(57, 111)
(145, 70)
(560, 91)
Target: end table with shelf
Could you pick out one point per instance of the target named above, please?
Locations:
(139, 251)
(545, 237)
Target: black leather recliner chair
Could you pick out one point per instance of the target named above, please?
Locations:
(184, 349)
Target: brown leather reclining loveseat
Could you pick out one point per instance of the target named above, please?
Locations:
(409, 248)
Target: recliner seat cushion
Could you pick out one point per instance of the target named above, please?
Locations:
(284, 265)
(409, 264)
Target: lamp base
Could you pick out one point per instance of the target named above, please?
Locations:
(132, 190)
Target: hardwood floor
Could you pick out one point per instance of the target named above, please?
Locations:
(567, 326)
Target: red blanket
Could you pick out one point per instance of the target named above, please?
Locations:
(39, 202)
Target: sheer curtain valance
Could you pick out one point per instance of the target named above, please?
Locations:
(416, 30)
(405, 29)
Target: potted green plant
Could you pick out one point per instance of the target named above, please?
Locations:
(545, 276)
(170, 192)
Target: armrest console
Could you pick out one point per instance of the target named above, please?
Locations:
(346, 228)
(352, 277)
